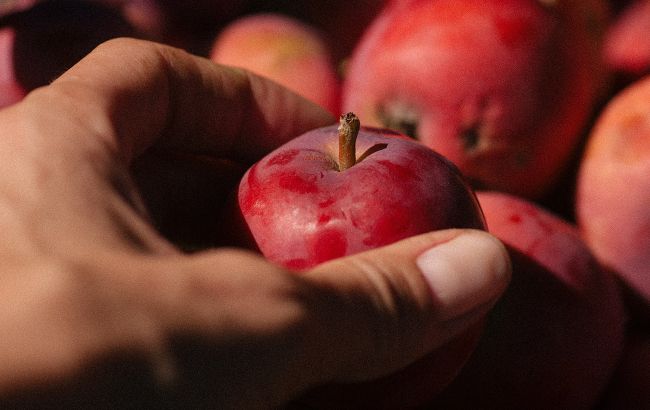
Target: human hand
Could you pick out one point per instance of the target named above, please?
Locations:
(97, 309)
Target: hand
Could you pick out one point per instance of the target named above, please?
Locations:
(97, 308)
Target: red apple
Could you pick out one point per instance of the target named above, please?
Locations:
(627, 45)
(11, 91)
(316, 198)
(554, 338)
(503, 88)
(13, 6)
(613, 188)
(304, 206)
(283, 49)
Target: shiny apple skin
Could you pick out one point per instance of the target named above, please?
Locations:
(301, 210)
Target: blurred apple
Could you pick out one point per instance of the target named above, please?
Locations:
(10, 90)
(627, 45)
(554, 338)
(503, 88)
(613, 188)
(283, 49)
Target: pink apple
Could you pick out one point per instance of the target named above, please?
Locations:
(11, 91)
(554, 338)
(613, 188)
(314, 199)
(503, 88)
(303, 207)
(285, 50)
(627, 45)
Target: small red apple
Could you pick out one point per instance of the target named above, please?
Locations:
(332, 192)
(316, 198)
(284, 49)
(502, 88)
(554, 338)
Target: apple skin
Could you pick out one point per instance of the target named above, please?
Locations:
(554, 338)
(501, 88)
(10, 90)
(613, 188)
(301, 210)
(285, 50)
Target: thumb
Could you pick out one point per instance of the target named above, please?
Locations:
(409, 298)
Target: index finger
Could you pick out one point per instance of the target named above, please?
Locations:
(135, 93)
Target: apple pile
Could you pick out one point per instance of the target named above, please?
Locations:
(527, 118)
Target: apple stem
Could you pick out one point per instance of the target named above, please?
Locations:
(349, 125)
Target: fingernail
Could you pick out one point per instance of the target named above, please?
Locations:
(465, 272)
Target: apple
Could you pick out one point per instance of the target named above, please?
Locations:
(627, 44)
(503, 88)
(613, 188)
(317, 198)
(10, 90)
(554, 338)
(283, 49)
(12, 6)
(336, 191)
(39, 43)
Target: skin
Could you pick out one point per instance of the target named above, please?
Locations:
(97, 309)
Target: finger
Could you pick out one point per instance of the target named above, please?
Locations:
(415, 296)
(255, 335)
(134, 93)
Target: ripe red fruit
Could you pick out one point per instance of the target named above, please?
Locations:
(554, 338)
(503, 88)
(613, 188)
(283, 49)
(317, 198)
(304, 204)
(627, 44)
